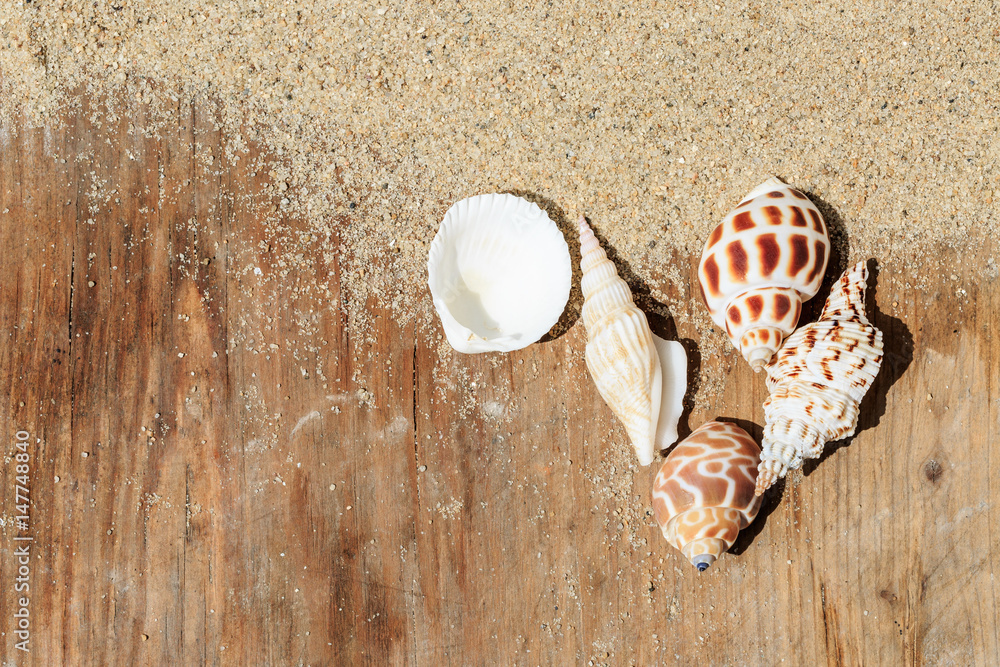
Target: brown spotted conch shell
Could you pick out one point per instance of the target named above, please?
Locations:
(817, 380)
(762, 261)
(703, 495)
(639, 375)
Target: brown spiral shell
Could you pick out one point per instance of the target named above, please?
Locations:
(704, 493)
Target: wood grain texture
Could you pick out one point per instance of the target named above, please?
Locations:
(228, 469)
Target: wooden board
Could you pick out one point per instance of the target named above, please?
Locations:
(223, 469)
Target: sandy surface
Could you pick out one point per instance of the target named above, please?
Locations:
(652, 119)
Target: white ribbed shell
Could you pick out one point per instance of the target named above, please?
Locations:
(817, 380)
(641, 377)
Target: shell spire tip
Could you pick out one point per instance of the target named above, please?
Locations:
(703, 562)
(766, 477)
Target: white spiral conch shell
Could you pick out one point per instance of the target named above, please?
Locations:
(817, 380)
(703, 495)
(764, 259)
(640, 376)
(500, 273)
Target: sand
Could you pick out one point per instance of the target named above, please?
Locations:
(652, 119)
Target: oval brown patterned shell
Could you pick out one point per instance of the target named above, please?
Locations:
(764, 259)
(704, 493)
(817, 380)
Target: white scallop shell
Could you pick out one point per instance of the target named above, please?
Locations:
(499, 271)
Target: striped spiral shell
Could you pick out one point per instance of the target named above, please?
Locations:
(817, 380)
(763, 260)
(641, 377)
(703, 495)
